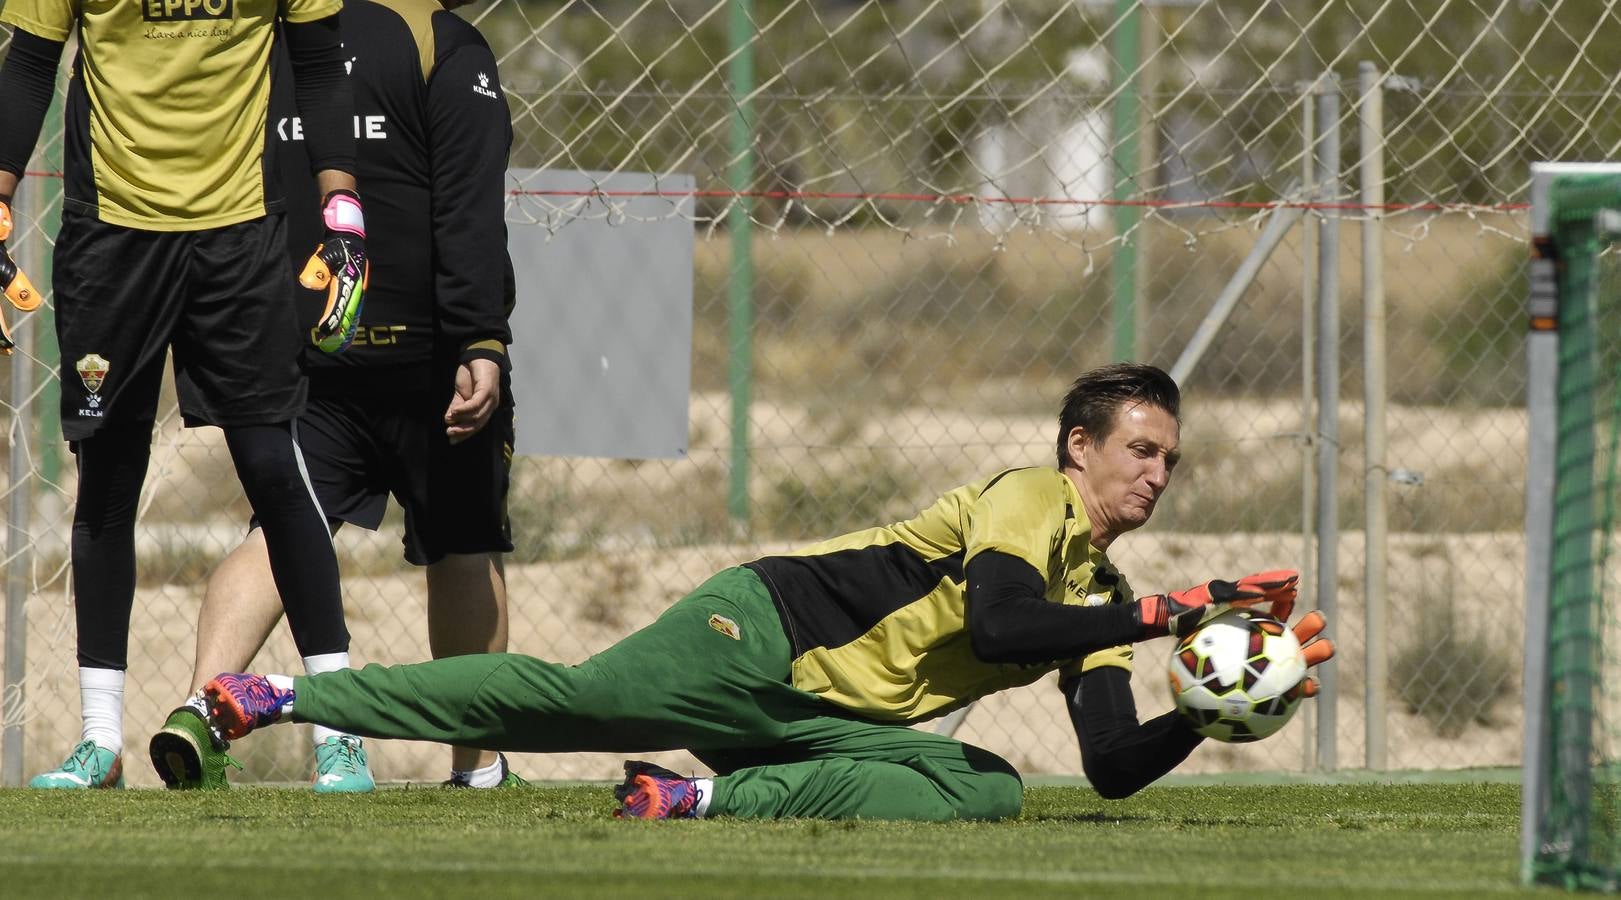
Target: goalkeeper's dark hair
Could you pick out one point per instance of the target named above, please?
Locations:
(1097, 398)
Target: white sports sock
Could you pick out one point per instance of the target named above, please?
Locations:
(706, 792)
(101, 702)
(487, 777)
(196, 702)
(283, 683)
(314, 665)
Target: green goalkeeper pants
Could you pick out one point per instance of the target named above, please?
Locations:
(710, 676)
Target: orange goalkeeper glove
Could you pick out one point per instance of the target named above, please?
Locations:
(1318, 650)
(1180, 612)
(19, 290)
(339, 266)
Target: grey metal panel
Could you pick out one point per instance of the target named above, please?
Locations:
(602, 333)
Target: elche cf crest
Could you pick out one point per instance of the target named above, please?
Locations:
(92, 369)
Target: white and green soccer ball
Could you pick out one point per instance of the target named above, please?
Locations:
(1239, 677)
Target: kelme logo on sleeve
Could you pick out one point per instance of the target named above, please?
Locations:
(186, 10)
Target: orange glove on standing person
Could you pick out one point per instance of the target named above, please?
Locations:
(19, 290)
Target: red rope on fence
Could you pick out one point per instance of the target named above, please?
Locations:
(965, 199)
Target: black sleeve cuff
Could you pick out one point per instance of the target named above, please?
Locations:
(494, 351)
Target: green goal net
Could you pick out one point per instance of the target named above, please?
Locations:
(1572, 827)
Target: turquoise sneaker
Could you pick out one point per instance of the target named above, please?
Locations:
(190, 755)
(340, 767)
(88, 766)
(509, 778)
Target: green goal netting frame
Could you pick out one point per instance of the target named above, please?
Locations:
(1571, 826)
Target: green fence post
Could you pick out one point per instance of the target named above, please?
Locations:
(740, 287)
(1127, 60)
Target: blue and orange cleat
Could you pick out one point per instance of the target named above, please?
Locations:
(239, 703)
(654, 792)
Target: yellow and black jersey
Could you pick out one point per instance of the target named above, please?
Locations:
(166, 109)
(876, 617)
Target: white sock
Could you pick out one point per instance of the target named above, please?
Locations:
(315, 665)
(101, 702)
(706, 792)
(487, 777)
(196, 702)
(283, 683)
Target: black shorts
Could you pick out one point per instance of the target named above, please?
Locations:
(360, 447)
(221, 297)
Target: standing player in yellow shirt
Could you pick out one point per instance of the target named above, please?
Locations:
(794, 676)
(172, 238)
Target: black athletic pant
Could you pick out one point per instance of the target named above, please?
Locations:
(112, 465)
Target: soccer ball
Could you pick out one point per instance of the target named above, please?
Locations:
(1238, 678)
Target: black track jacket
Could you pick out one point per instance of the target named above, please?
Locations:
(433, 133)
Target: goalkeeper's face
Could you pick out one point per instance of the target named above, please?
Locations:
(1121, 478)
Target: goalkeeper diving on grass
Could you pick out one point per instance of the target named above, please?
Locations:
(794, 676)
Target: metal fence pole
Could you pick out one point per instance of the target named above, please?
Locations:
(1375, 557)
(1328, 401)
(739, 221)
(1277, 227)
(18, 554)
(1541, 407)
(1127, 122)
(19, 546)
(1308, 371)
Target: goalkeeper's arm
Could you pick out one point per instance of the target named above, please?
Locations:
(27, 82)
(1009, 619)
(1122, 756)
(325, 102)
(1119, 755)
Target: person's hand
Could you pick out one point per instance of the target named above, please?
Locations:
(1318, 650)
(1180, 612)
(478, 393)
(19, 290)
(339, 266)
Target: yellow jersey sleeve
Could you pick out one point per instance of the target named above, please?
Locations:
(307, 10)
(49, 19)
(1020, 513)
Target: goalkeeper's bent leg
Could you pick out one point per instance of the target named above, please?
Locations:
(644, 693)
(495, 701)
(875, 772)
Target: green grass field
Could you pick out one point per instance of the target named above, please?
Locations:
(1296, 840)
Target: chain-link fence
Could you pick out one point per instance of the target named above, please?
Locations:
(948, 213)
